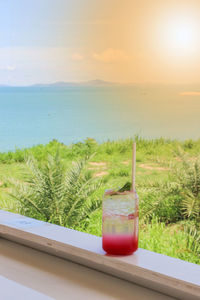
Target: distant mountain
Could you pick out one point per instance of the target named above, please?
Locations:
(55, 84)
(96, 82)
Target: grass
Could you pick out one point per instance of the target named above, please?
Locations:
(162, 221)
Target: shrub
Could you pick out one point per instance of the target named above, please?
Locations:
(192, 231)
(160, 200)
(189, 177)
(53, 194)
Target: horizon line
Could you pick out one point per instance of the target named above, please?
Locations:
(93, 81)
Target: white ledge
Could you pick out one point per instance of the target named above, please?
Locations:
(13, 290)
(165, 274)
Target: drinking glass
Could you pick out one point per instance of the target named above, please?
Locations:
(120, 222)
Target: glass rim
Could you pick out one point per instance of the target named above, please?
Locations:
(112, 192)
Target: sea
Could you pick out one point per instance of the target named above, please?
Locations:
(37, 115)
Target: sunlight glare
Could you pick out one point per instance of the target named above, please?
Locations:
(181, 37)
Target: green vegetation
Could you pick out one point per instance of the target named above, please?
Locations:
(50, 193)
(67, 189)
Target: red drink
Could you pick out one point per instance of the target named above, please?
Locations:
(120, 223)
(120, 244)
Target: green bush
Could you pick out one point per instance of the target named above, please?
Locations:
(53, 194)
(161, 200)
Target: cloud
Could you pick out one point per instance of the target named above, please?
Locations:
(7, 68)
(190, 94)
(110, 55)
(77, 57)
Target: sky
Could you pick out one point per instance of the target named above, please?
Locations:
(130, 41)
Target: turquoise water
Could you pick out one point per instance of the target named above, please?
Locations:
(29, 116)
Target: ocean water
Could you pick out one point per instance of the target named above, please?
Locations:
(33, 115)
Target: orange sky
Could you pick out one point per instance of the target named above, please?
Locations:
(114, 40)
(145, 41)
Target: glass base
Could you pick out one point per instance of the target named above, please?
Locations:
(119, 244)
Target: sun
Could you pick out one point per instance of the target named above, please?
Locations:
(180, 36)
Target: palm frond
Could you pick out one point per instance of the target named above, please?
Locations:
(51, 193)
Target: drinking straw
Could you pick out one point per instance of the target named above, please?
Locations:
(133, 166)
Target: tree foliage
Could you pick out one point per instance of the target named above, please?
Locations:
(54, 194)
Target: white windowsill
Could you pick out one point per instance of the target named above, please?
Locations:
(155, 271)
(12, 290)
